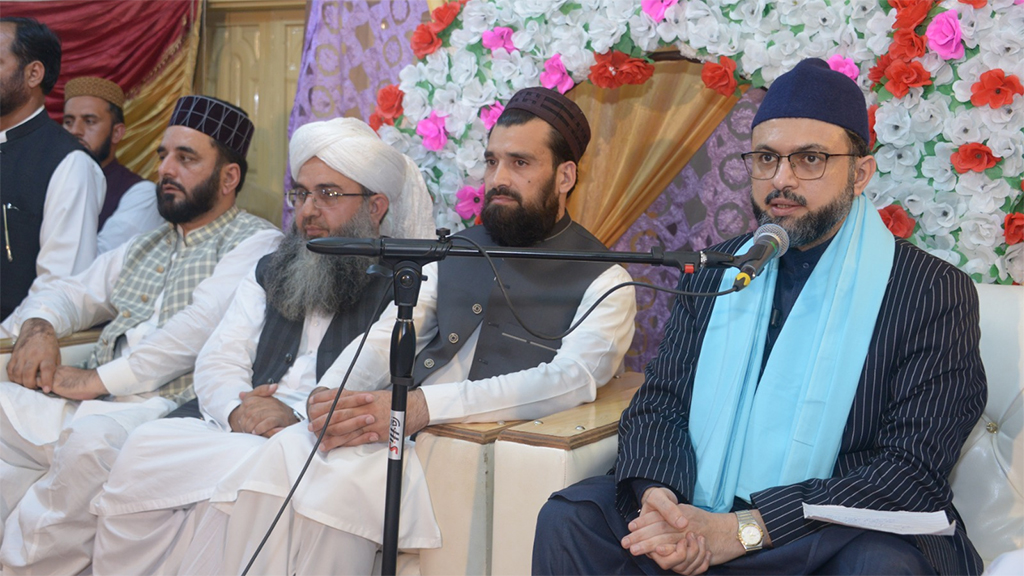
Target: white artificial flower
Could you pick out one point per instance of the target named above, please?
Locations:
(814, 45)
(410, 76)
(1004, 49)
(970, 72)
(974, 24)
(893, 124)
(878, 30)
(528, 38)
(977, 230)
(816, 15)
(939, 167)
(470, 159)
(1008, 145)
(464, 67)
(980, 260)
(914, 195)
(534, 8)
(436, 68)
(1013, 260)
(755, 57)
(395, 138)
(702, 28)
(941, 216)
(863, 10)
(881, 190)
(604, 33)
(962, 128)
(507, 15)
(478, 17)
(446, 98)
(620, 10)
(461, 38)
(416, 103)
(730, 40)
(476, 94)
(899, 161)
(928, 116)
(451, 177)
(790, 11)
(571, 43)
(939, 69)
(985, 195)
(459, 117)
(751, 15)
(446, 217)
(673, 27)
(643, 31)
(785, 50)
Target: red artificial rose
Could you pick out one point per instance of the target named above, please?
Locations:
(720, 77)
(424, 41)
(871, 125)
(912, 14)
(897, 220)
(975, 3)
(877, 72)
(1013, 227)
(995, 89)
(906, 45)
(376, 121)
(389, 102)
(613, 69)
(973, 156)
(444, 16)
(902, 76)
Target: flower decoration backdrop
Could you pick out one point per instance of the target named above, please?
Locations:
(942, 78)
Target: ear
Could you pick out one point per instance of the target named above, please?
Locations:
(863, 171)
(117, 133)
(230, 174)
(34, 72)
(565, 179)
(379, 205)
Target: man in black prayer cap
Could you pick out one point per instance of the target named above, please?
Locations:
(161, 294)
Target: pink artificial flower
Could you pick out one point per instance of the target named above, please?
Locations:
(555, 76)
(944, 36)
(471, 202)
(489, 114)
(1018, 1)
(844, 65)
(500, 37)
(656, 8)
(432, 131)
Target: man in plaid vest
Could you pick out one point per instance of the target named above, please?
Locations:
(161, 294)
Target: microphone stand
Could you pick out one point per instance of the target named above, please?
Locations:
(407, 258)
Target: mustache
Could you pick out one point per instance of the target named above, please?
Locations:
(787, 194)
(503, 191)
(172, 183)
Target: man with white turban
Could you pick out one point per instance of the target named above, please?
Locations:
(292, 317)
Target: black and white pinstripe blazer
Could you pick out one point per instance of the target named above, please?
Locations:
(921, 391)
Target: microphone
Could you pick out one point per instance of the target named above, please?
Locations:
(397, 248)
(770, 241)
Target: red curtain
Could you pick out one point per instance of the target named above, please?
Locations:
(125, 42)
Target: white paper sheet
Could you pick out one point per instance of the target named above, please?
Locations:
(932, 523)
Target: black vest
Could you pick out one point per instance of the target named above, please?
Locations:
(546, 293)
(27, 161)
(119, 180)
(279, 339)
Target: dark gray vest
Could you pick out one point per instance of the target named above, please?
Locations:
(27, 161)
(546, 293)
(279, 340)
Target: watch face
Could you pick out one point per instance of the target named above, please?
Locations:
(750, 535)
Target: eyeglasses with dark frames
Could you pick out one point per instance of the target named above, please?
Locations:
(763, 165)
(324, 197)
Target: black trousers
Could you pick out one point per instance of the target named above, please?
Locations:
(579, 530)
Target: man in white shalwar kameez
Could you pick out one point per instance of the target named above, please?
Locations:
(161, 294)
(292, 318)
(474, 364)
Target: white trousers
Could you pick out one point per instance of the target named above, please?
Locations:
(52, 469)
(151, 542)
(225, 543)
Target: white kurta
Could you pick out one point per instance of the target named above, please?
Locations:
(55, 461)
(136, 213)
(74, 198)
(588, 357)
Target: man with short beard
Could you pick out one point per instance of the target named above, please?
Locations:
(475, 363)
(290, 321)
(52, 189)
(161, 295)
(847, 373)
(94, 113)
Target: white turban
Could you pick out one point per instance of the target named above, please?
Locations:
(353, 149)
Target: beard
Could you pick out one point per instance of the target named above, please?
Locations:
(197, 201)
(300, 282)
(812, 226)
(13, 93)
(522, 225)
(103, 152)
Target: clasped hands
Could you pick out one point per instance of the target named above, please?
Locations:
(361, 417)
(679, 537)
(35, 364)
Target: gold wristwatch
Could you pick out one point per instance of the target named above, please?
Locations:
(749, 532)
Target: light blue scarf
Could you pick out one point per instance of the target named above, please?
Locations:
(790, 429)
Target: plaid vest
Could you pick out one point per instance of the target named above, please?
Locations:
(150, 270)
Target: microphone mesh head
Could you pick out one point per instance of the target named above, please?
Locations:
(777, 232)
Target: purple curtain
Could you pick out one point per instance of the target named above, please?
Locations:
(352, 50)
(708, 202)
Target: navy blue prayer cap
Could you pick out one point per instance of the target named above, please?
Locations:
(224, 122)
(813, 90)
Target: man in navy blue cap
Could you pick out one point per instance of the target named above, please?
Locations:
(846, 374)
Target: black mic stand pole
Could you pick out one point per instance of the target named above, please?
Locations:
(407, 280)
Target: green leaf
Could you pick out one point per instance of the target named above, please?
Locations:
(756, 80)
(995, 172)
(884, 95)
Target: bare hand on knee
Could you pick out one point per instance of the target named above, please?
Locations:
(36, 355)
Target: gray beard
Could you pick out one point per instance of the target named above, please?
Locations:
(300, 282)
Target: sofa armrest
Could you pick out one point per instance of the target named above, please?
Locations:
(535, 459)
